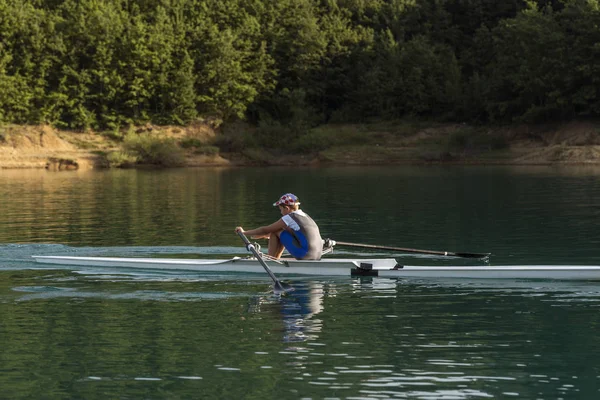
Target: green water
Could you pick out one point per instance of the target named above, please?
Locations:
(95, 333)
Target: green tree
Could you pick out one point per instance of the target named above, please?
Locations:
(295, 40)
(527, 74)
(296, 63)
(579, 21)
(84, 90)
(15, 96)
(230, 54)
(181, 96)
(30, 51)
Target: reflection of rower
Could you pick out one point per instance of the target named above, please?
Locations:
(295, 231)
(298, 308)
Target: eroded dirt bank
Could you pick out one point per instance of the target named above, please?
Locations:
(572, 143)
(42, 146)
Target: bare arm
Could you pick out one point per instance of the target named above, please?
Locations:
(263, 231)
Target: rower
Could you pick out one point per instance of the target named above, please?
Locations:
(295, 231)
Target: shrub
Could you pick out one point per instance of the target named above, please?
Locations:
(199, 147)
(257, 155)
(235, 137)
(458, 139)
(188, 143)
(321, 139)
(153, 150)
(474, 139)
(120, 159)
(207, 150)
(274, 135)
(113, 135)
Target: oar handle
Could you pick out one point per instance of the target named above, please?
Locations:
(245, 239)
(408, 250)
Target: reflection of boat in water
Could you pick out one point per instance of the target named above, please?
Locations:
(381, 267)
(299, 309)
(296, 309)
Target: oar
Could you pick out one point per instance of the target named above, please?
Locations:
(277, 285)
(439, 253)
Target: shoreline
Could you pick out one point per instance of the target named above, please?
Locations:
(574, 143)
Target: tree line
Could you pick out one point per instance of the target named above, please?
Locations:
(110, 63)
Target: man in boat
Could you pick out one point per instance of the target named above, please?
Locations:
(294, 231)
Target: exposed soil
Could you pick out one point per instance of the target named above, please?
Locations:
(573, 143)
(42, 146)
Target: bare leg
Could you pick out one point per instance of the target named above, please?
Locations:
(275, 246)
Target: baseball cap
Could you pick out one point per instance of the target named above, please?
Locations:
(287, 199)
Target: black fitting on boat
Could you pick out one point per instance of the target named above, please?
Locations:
(364, 269)
(366, 266)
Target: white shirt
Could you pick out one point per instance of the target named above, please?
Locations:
(289, 221)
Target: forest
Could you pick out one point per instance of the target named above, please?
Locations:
(105, 64)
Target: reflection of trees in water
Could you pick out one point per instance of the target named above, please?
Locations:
(297, 309)
(133, 207)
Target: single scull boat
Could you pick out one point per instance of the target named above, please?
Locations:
(383, 267)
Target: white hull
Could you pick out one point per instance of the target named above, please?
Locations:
(383, 267)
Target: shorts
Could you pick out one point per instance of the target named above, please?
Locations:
(296, 244)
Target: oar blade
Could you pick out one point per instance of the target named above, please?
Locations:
(472, 255)
(280, 288)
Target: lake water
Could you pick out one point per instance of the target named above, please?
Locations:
(92, 333)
